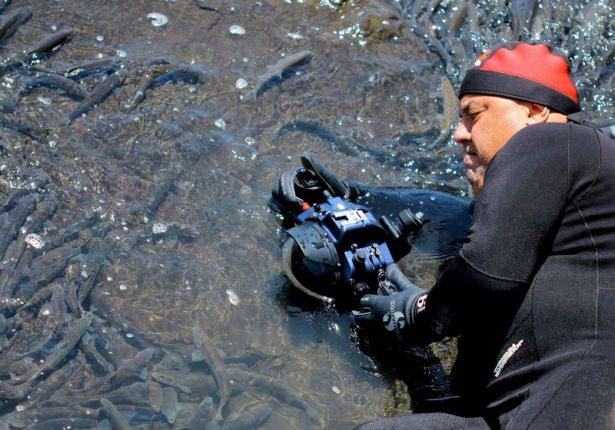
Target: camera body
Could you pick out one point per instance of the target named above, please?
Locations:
(338, 249)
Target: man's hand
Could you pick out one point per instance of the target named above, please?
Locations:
(396, 313)
(299, 188)
(287, 196)
(327, 178)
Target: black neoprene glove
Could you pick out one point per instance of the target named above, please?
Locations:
(306, 185)
(396, 313)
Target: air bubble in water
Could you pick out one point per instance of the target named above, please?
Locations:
(233, 298)
(34, 240)
(159, 228)
(157, 19)
(237, 30)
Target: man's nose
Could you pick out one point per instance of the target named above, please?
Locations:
(462, 135)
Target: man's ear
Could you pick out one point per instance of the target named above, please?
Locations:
(537, 113)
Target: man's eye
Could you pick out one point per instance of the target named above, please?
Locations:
(472, 116)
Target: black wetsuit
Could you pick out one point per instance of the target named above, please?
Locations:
(532, 291)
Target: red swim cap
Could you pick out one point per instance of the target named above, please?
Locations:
(523, 71)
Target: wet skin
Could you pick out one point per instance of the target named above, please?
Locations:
(487, 123)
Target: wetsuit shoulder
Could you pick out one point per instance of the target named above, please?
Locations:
(525, 192)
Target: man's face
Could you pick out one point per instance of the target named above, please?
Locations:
(487, 123)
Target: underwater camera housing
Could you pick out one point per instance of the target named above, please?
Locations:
(338, 251)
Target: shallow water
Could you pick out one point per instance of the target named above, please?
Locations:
(375, 103)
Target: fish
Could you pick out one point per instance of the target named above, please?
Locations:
(105, 340)
(72, 233)
(204, 344)
(10, 23)
(8, 106)
(98, 94)
(137, 394)
(459, 18)
(88, 346)
(83, 69)
(8, 391)
(73, 336)
(64, 423)
(38, 298)
(46, 268)
(16, 219)
(89, 68)
(202, 5)
(279, 70)
(157, 74)
(521, 13)
(44, 210)
(94, 261)
(277, 390)
(168, 407)
(72, 275)
(57, 313)
(21, 419)
(161, 73)
(33, 131)
(60, 255)
(15, 278)
(186, 382)
(12, 199)
(250, 419)
(155, 395)
(50, 42)
(140, 89)
(129, 371)
(115, 417)
(202, 414)
(135, 367)
(319, 130)
(50, 385)
(55, 81)
(10, 368)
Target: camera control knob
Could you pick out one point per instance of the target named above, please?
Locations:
(360, 256)
(360, 289)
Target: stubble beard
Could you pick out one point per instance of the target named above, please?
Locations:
(476, 179)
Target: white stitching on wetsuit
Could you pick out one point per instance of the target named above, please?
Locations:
(506, 356)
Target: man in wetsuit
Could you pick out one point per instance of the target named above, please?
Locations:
(531, 293)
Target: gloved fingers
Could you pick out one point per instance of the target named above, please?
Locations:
(284, 198)
(363, 316)
(332, 183)
(398, 278)
(372, 309)
(376, 304)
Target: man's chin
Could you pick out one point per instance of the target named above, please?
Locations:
(475, 180)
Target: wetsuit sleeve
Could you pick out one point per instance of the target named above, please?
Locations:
(515, 219)
(446, 218)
